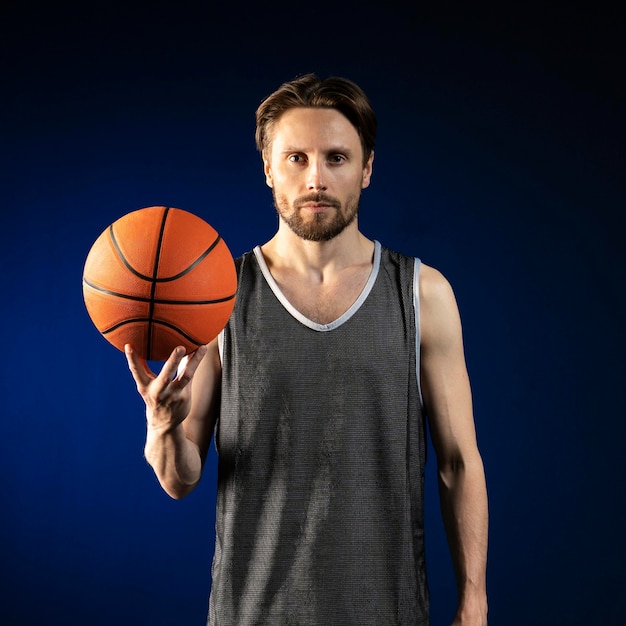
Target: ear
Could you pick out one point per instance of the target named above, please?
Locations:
(367, 171)
(267, 171)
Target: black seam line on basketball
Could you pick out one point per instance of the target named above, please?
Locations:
(159, 301)
(166, 279)
(194, 264)
(156, 323)
(155, 273)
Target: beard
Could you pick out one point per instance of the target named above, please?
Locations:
(319, 226)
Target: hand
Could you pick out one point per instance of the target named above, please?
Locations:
(168, 394)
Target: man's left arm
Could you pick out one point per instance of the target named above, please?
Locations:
(448, 403)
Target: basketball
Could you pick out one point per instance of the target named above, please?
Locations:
(158, 278)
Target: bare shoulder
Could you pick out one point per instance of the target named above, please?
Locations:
(439, 313)
(435, 289)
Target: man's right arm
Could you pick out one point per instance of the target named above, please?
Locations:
(182, 403)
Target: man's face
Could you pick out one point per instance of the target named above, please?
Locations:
(315, 168)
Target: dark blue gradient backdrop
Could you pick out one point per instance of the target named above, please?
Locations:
(500, 161)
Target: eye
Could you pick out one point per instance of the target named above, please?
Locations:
(336, 159)
(296, 158)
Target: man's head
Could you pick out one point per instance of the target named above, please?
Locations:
(316, 139)
(309, 91)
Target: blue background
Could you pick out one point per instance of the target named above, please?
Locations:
(500, 161)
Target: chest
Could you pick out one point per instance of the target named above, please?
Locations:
(324, 302)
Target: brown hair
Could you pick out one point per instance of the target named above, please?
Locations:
(310, 91)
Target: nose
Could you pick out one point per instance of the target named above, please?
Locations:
(315, 179)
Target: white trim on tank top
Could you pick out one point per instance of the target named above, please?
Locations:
(418, 319)
(302, 318)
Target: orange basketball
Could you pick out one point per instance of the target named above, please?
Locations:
(158, 278)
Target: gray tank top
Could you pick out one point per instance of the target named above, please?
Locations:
(321, 446)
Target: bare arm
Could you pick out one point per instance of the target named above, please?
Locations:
(462, 487)
(181, 408)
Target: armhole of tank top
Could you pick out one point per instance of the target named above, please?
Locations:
(220, 345)
(418, 342)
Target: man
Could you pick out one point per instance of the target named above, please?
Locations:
(317, 391)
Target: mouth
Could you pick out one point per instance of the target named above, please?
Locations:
(317, 207)
(316, 203)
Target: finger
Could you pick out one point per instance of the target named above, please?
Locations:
(186, 372)
(138, 367)
(170, 367)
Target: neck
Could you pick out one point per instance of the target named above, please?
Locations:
(287, 250)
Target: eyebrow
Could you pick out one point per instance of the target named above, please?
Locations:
(333, 150)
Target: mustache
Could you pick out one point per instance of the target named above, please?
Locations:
(319, 197)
